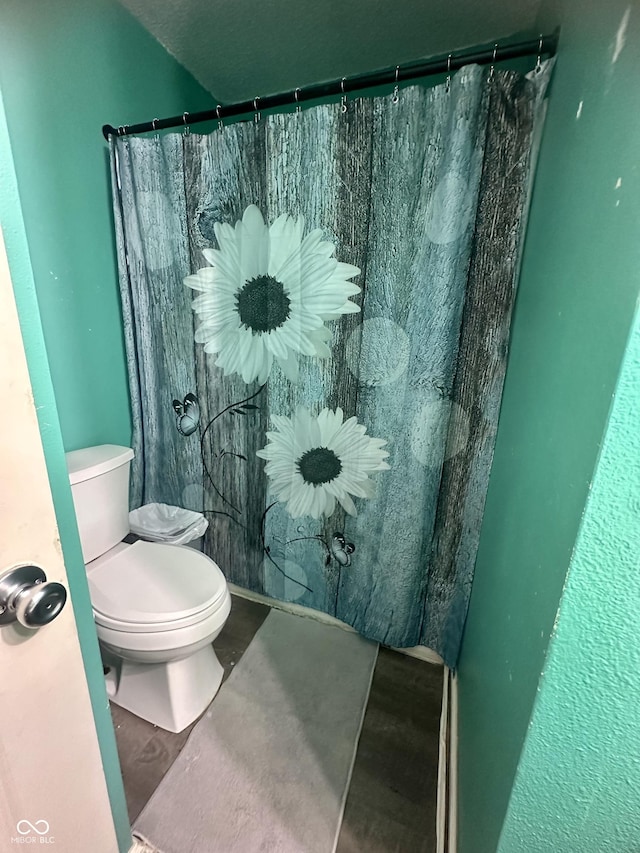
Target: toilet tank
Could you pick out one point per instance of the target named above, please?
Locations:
(99, 478)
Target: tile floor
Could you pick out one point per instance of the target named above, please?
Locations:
(391, 804)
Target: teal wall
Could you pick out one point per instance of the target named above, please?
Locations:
(577, 787)
(579, 284)
(12, 224)
(66, 68)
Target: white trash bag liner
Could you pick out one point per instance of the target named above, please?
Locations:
(164, 523)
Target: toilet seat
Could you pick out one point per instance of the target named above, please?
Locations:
(105, 621)
(154, 587)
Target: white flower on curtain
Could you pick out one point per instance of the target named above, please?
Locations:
(267, 293)
(312, 462)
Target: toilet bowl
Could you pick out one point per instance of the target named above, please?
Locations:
(157, 607)
(157, 610)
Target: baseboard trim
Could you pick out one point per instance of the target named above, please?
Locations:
(420, 652)
(443, 767)
(452, 817)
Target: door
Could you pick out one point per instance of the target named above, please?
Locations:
(52, 783)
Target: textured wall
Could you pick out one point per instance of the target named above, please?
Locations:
(579, 283)
(578, 783)
(66, 69)
(242, 49)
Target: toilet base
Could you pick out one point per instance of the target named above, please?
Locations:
(170, 695)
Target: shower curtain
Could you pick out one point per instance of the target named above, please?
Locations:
(316, 310)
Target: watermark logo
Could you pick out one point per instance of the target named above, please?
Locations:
(33, 832)
(25, 827)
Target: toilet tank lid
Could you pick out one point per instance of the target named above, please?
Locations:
(92, 461)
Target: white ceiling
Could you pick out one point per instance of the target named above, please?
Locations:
(238, 49)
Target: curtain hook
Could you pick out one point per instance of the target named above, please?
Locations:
(296, 96)
(153, 125)
(493, 63)
(538, 67)
(186, 126)
(396, 97)
(447, 85)
(220, 122)
(256, 117)
(343, 100)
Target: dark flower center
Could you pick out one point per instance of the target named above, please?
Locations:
(262, 304)
(319, 465)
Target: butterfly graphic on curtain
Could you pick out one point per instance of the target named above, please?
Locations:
(187, 414)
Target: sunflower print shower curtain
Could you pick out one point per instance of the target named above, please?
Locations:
(316, 310)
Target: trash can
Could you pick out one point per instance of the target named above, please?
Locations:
(171, 524)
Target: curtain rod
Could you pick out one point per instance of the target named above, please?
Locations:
(542, 46)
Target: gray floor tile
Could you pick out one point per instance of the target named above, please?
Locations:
(391, 805)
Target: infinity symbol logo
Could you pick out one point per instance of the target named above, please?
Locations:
(24, 827)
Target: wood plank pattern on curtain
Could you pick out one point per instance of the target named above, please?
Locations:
(420, 204)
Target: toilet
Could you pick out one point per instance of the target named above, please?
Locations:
(157, 607)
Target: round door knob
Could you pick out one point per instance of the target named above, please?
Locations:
(40, 604)
(27, 597)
